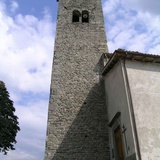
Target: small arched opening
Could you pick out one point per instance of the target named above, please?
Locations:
(76, 16)
(85, 16)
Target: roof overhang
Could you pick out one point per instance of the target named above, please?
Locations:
(121, 54)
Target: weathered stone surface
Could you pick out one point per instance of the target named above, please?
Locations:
(77, 118)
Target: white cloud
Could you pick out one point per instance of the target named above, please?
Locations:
(26, 53)
(143, 5)
(31, 139)
(14, 6)
(108, 6)
(131, 28)
(26, 48)
(18, 155)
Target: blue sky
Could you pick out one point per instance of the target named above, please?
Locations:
(27, 31)
(35, 7)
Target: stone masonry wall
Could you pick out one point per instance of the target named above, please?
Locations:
(77, 118)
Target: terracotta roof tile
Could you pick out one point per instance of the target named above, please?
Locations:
(121, 54)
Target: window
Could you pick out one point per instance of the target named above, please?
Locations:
(76, 16)
(85, 16)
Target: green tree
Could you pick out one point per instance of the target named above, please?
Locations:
(9, 125)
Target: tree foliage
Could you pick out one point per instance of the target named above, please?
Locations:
(9, 125)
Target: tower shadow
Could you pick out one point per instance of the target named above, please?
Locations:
(87, 137)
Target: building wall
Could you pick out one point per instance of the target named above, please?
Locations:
(144, 81)
(116, 98)
(77, 117)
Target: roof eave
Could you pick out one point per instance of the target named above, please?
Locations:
(128, 55)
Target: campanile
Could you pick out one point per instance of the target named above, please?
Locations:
(77, 117)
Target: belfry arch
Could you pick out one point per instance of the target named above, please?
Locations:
(76, 16)
(85, 16)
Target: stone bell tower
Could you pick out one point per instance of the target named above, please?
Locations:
(77, 117)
